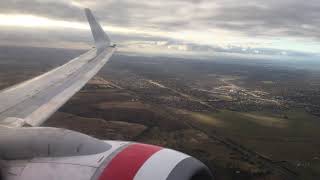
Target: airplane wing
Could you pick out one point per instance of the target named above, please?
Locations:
(32, 102)
(40, 153)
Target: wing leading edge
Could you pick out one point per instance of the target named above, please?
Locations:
(32, 102)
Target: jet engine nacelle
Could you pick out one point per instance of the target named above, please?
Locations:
(58, 154)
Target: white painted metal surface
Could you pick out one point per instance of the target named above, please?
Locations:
(159, 165)
(59, 168)
(94, 160)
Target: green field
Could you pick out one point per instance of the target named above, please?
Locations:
(293, 139)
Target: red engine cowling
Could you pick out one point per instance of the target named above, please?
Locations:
(56, 154)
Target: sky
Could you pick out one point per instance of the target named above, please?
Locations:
(204, 28)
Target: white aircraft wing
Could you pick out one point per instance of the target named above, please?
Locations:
(38, 153)
(32, 102)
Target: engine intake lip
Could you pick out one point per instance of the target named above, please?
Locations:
(190, 169)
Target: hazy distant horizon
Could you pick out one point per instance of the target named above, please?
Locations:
(14, 54)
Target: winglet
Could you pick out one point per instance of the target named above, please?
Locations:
(101, 39)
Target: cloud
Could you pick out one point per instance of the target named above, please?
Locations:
(255, 17)
(250, 27)
(271, 18)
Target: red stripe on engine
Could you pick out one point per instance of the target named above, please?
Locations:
(126, 164)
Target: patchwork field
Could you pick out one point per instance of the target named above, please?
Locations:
(244, 121)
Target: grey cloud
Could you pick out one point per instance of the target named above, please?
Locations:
(286, 17)
(56, 9)
(254, 17)
(272, 18)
